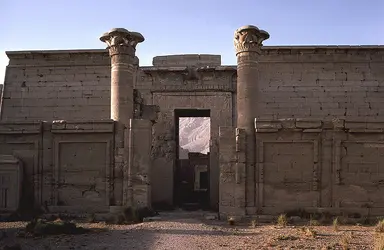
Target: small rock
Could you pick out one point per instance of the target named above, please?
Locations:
(295, 218)
(151, 219)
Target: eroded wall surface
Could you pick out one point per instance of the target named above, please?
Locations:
(67, 166)
(312, 165)
(66, 85)
(320, 82)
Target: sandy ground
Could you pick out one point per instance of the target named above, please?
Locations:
(183, 231)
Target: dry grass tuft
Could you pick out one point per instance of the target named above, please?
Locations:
(309, 232)
(380, 226)
(254, 223)
(282, 220)
(314, 223)
(336, 224)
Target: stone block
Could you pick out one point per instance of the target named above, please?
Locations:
(308, 123)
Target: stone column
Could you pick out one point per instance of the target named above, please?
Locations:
(248, 41)
(122, 47)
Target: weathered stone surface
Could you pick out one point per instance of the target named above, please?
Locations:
(78, 126)
(11, 177)
(187, 60)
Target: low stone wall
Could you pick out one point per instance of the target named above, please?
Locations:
(68, 166)
(313, 165)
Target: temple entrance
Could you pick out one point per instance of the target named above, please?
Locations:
(192, 171)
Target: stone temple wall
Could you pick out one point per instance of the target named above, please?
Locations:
(57, 85)
(312, 165)
(67, 166)
(320, 82)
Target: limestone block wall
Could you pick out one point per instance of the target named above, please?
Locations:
(312, 81)
(51, 85)
(68, 166)
(314, 165)
(82, 174)
(232, 145)
(141, 169)
(290, 164)
(23, 141)
(322, 82)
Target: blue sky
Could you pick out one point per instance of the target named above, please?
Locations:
(181, 26)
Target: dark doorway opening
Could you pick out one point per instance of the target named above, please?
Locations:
(192, 172)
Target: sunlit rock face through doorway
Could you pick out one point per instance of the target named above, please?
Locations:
(194, 135)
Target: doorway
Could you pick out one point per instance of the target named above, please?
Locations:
(192, 166)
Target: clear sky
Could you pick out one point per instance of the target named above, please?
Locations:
(182, 26)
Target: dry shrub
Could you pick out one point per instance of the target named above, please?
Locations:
(380, 226)
(336, 224)
(309, 232)
(282, 220)
(314, 223)
(254, 223)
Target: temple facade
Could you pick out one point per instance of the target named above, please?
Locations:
(292, 127)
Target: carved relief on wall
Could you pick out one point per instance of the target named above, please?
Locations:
(249, 38)
(191, 74)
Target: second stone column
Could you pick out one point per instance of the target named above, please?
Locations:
(122, 47)
(248, 41)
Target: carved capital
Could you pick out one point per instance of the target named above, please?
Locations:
(121, 41)
(249, 39)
